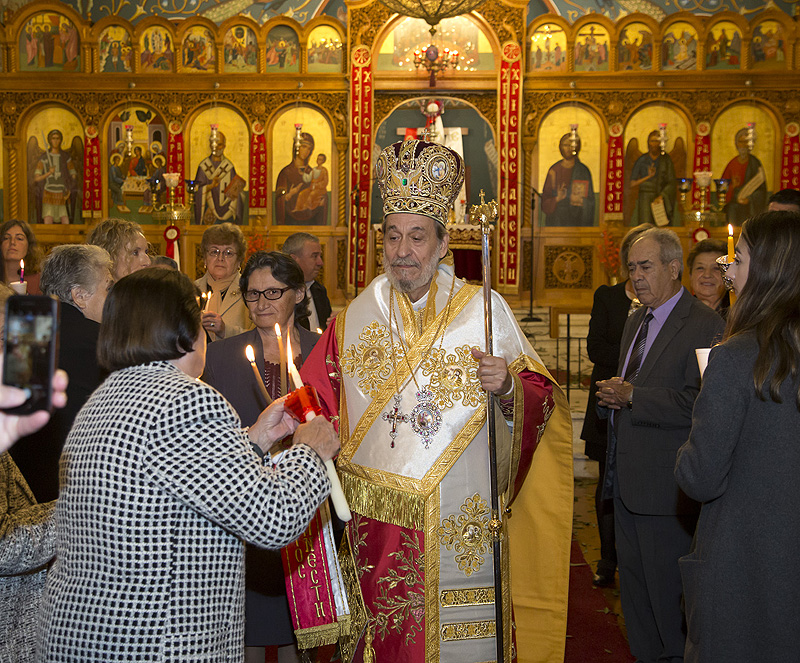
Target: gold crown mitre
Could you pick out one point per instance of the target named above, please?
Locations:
(418, 177)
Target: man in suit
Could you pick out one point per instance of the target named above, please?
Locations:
(651, 410)
(307, 252)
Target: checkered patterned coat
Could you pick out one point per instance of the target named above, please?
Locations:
(159, 489)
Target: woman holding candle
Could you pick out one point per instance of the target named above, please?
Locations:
(125, 243)
(19, 246)
(742, 460)
(225, 313)
(161, 487)
(273, 287)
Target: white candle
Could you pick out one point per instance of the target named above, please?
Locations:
(251, 357)
(282, 353)
(298, 382)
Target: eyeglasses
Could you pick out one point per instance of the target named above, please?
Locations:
(227, 254)
(270, 293)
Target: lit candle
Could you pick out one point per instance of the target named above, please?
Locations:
(337, 494)
(251, 357)
(731, 250)
(298, 382)
(21, 271)
(319, 331)
(282, 352)
(204, 297)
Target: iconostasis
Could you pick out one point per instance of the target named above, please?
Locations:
(277, 124)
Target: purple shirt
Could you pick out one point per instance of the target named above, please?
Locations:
(660, 316)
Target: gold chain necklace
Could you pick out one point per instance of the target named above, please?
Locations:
(426, 417)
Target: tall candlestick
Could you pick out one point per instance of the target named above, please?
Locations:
(282, 353)
(251, 357)
(731, 250)
(301, 403)
(21, 271)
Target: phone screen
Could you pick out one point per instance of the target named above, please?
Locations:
(30, 350)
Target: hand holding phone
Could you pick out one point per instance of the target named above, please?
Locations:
(30, 350)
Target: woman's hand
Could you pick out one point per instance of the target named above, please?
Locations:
(213, 323)
(320, 435)
(14, 426)
(273, 424)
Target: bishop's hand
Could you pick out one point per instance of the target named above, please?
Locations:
(493, 373)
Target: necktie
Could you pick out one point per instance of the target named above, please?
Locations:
(635, 362)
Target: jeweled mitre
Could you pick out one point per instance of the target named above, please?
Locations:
(418, 177)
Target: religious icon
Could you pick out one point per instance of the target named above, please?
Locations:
(50, 42)
(157, 53)
(199, 51)
(652, 189)
(747, 191)
(55, 178)
(220, 191)
(568, 193)
(240, 50)
(115, 50)
(302, 191)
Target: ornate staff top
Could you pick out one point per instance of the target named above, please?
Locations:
(484, 214)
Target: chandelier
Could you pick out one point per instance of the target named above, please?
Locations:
(435, 62)
(432, 11)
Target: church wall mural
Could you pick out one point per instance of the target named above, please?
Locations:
(706, 74)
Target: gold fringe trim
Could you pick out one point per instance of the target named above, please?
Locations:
(384, 503)
(432, 568)
(316, 636)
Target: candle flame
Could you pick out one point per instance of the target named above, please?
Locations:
(22, 264)
(298, 381)
(319, 331)
(278, 331)
(250, 354)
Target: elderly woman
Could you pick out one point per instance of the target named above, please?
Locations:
(19, 243)
(161, 487)
(225, 313)
(273, 287)
(125, 243)
(79, 276)
(705, 274)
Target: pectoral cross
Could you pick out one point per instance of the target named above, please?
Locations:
(395, 416)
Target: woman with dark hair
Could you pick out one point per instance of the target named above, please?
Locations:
(611, 308)
(160, 488)
(225, 313)
(742, 460)
(273, 287)
(17, 242)
(125, 243)
(705, 274)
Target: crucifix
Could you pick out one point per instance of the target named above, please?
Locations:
(395, 416)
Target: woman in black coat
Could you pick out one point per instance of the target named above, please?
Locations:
(273, 288)
(610, 310)
(742, 460)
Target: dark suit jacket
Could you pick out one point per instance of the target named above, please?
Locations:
(649, 435)
(609, 314)
(319, 294)
(37, 455)
(229, 372)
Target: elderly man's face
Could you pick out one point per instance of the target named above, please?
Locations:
(653, 281)
(411, 252)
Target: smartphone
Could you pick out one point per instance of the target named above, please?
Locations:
(30, 349)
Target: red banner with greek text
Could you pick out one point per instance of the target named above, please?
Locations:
(361, 96)
(258, 170)
(790, 159)
(92, 176)
(615, 179)
(308, 588)
(509, 193)
(701, 162)
(175, 155)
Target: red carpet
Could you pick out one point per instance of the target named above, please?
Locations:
(593, 635)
